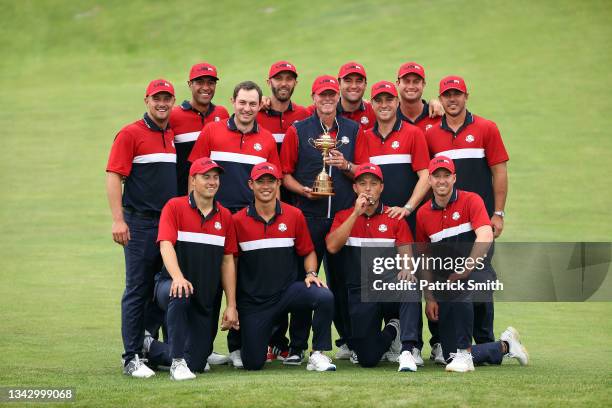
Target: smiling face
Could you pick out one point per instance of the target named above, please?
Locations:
(326, 102)
(385, 107)
(453, 102)
(202, 89)
(282, 85)
(264, 188)
(442, 182)
(411, 87)
(352, 87)
(206, 185)
(246, 105)
(159, 106)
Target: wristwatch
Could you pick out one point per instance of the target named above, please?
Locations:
(313, 273)
(500, 213)
(409, 208)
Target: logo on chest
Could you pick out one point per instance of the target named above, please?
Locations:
(365, 120)
(469, 138)
(217, 119)
(257, 147)
(282, 227)
(428, 127)
(456, 215)
(345, 140)
(218, 225)
(382, 228)
(395, 145)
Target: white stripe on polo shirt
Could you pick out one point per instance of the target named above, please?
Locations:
(266, 243)
(200, 238)
(370, 242)
(463, 154)
(451, 232)
(155, 158)
(186, 137)
(279, 137)
(391, 159)
(236, 157)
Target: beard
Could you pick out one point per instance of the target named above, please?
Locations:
(280, 98)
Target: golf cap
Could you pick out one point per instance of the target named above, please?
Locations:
(411, 68)
(159, 85)
(260, 170)
(204, 165)
(452, 82)
(369, 168)
(324, 83)
(441, 162)
(383, 87)
(203, 69)
(281, 66)
(351, 68)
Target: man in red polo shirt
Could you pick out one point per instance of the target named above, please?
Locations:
(273, 237)
(413, 109)
(368, 225)
(456, 216)
(140, 179)
(188, 119)
(476, 146)
(197, 241)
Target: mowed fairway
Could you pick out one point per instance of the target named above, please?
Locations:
(73, 73)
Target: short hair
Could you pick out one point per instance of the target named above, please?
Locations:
(248, 86)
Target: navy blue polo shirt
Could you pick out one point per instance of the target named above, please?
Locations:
(200, 243)
(144, 154)
(304, 162)
(269, 253)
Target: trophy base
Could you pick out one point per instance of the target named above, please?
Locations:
(323, 193)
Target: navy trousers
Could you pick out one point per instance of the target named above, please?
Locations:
(257, 323)
(189, 331)
(367, 339)
(142, 262)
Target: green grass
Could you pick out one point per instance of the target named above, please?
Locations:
(73, 73)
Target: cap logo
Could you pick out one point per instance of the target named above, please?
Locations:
(284, 66)
(161, 84)
(205, 68)
(382, 228)
(205, 162)
(354, 67)
(456, 215)
(328, 80)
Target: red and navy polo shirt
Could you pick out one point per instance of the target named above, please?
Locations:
(237, 153)
(400, 155)
(269, 253)
(376, 231)
(278, 122)
(457, 222)
(475, 147)
(200, 243)
(187, 123)
(364, 115)
(144, 154)
(423, 121)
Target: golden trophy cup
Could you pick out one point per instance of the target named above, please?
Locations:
(323, 185)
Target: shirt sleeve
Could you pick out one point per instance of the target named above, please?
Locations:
(420, 152)
(403, 236)
(303, 242)
(478, 212)
(168, 224)
(122, 154)
(495, 151)
(231, 243)
(201, 148)
(361, 147)
(289, 151)
(339, 219)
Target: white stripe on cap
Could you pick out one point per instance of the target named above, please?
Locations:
(266, 243)
(451, 232)
(370, 242)
(155, 158)
(463, 154)
(391, 159)
(236, 157)
(200, 238)
(186, 137)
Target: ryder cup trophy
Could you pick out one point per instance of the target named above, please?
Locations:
(323, 185)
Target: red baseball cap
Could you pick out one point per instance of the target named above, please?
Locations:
(159, 85)
(203, 69)
(352, 67)
(281, 66)
(383, 87)
(452, 82)
(411, 68)
(370, 168)
(203, 165)
(262, 169)
(441, 162)
(323, 83)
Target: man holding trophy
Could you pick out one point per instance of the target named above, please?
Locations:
(323, 185)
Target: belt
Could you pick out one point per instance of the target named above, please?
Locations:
(152, 215)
